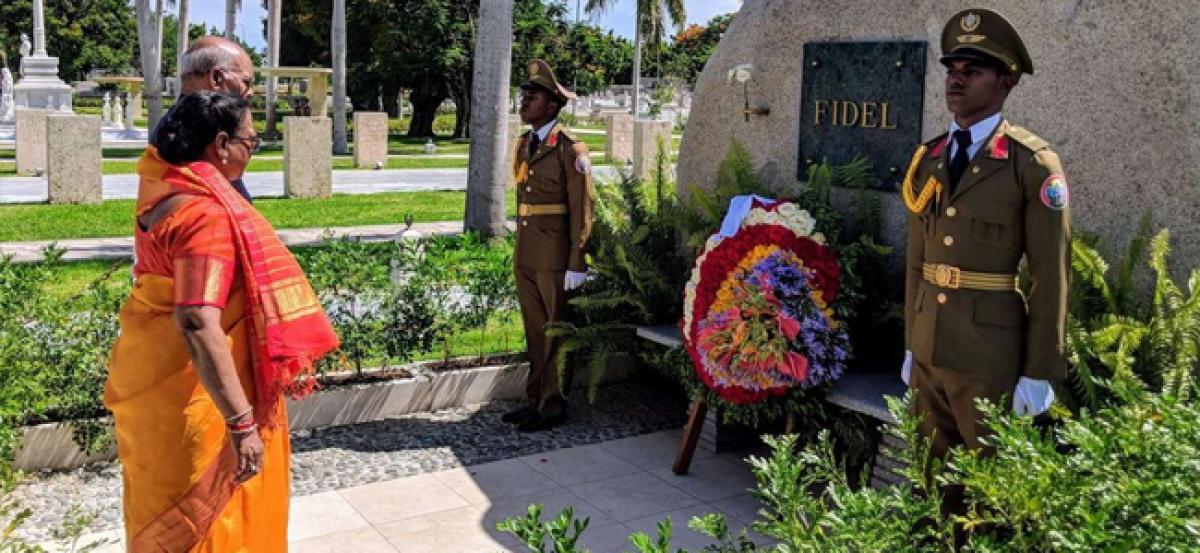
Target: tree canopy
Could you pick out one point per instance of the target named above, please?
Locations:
(83, 34)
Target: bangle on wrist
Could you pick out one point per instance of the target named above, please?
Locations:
(239, 416)
(241, 431)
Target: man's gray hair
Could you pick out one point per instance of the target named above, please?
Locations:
(206, 58)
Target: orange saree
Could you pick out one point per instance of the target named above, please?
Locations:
(177, 461)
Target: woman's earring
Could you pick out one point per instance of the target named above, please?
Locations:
(224, 161)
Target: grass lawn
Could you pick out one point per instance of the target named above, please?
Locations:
(115, 218)
(504, 335)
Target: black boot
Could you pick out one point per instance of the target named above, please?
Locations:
(519, 416)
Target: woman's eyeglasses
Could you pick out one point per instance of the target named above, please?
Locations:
(253, 143)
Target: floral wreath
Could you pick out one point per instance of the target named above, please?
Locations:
(757, 319)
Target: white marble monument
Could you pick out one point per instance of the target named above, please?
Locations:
(7, 104)
(40, 87)
(106, 118)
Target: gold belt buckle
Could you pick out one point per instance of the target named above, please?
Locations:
(947, 276)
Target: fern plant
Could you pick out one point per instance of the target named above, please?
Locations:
(1115, 334)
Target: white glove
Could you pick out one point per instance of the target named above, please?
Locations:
(1032, 397)
(906, 368)
(574, 280)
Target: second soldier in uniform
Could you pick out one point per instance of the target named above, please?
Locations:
(554, 220)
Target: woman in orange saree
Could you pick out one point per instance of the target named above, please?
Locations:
(220, 326)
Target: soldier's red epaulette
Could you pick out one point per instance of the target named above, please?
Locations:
(570, 138)
(938, 144)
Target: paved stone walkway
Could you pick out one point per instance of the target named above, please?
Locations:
(440, 481)
(100, 249)
(270, 185)
(621, 486)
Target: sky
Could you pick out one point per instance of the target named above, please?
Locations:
(619, 18)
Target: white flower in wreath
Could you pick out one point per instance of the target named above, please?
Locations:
(819, 238)
(756, 217)
(798, 219)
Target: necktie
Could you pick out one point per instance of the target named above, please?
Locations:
(534, 142)
(962, 158)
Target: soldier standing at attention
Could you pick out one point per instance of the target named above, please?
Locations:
(554, 218)
(981, 198)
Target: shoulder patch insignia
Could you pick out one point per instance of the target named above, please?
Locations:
(583, 163)
(1055, 194)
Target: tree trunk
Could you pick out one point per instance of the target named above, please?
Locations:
(391, 100)
(338, 45)
(149, 24)
(637, 65)
(425, 100)
(231, 9)
(462, 113)
(183, 40)
(274, 15)
(487, 177)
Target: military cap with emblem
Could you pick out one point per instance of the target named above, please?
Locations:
(984, 35)
(542, 76)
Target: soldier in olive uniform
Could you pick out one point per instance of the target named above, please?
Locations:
(981, 198)
(554, 218)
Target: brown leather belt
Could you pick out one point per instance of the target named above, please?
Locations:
(533, 210)
(949, 276)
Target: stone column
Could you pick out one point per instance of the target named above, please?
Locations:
(74, 166)
(31, 140)
(370, 139)
(618, 138)
(39, 29)
(137, 106)
(647, 134)
(318, 95)
(307, 157)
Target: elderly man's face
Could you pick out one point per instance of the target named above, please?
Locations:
(237, 80)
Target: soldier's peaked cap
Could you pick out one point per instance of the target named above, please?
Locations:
(980, 34)
(542, 76)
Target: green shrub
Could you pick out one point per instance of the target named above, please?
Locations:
(1124, 478)
(54, 353)
(54, 350)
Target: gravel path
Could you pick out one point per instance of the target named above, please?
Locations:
(340, 457)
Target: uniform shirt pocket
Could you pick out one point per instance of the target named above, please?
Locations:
(991, 231)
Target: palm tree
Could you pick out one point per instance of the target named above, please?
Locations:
(274, 17)
(651, 16)
(338, 44)
(183, 39)
(150, 24)
(232, 7)
(489, 170)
